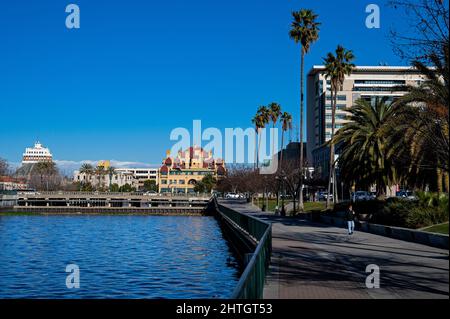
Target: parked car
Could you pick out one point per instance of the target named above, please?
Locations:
(150, 193)
(361, 196)
(409, 195)
(321, 196)
(232, 196)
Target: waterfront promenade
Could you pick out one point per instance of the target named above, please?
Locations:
(312, 260)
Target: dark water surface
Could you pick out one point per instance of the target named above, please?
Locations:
(118, 257)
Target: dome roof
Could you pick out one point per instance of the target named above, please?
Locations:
(168, 161)
(164, 169)
(220, 170)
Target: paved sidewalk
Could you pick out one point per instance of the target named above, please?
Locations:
(312, 260)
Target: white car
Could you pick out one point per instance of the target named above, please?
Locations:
(362, 196)
(232, 195)
(151, 193)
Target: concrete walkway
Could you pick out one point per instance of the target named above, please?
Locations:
(313, 260)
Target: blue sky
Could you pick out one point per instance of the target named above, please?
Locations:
(116, 87)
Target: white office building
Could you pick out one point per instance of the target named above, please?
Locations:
(36, 154)
(141, 174)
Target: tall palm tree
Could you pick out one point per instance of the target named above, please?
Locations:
(422, 123)
(336, 68)
(87, 170)
(256, 123)
(274, 113)
(111, 171)
(286, 124)
(304, 30)
(366, 157)
(45, 169)
(263, 116)
(100, 172)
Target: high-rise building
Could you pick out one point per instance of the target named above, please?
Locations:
(36, 154)
(366, 82)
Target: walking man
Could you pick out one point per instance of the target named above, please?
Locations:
(350, 219)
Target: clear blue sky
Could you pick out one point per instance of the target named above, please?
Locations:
(116, 87)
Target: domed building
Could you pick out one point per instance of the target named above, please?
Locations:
(180, 172)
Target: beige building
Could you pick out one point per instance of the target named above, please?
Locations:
(366, 82)
(141, 174)
(180, 172)
(105, 180)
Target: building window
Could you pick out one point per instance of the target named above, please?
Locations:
(394, 82)
(379, 89)
(340, 97)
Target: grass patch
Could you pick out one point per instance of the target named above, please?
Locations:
(310, 206)
(16, 213)
(272, 203)
(441, 229)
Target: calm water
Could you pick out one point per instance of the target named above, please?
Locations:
(118, 257)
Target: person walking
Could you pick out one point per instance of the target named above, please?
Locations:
(350, 219)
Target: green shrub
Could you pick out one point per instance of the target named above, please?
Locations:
(393, 213)
(425, 216)
(429, 209)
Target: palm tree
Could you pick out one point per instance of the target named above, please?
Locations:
(87, 170)
(286, 124)
(274, 113)
(366, 157)
(111, 171)
(100, 172)
(263, 116)
(257, 123)
(422, 123)
(46, 169)
(336, 68)
(304, 30)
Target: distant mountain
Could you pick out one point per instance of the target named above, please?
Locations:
(67, 168)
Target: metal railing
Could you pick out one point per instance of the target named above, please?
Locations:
(251, 282)
(76, 193)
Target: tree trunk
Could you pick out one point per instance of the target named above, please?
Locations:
(300, 202)
(331, 164)
(439, 180)
(335, 186)
(280, 168)
(446, 181)
(259, 147)
(281, 154)
(256, 150)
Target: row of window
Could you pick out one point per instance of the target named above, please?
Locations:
(338, 106)
(337, 117)
(336, 126)
(397, 82)
(173, 181)
(175, 172)
(37, 152)
(339, 97)
(379, 89)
